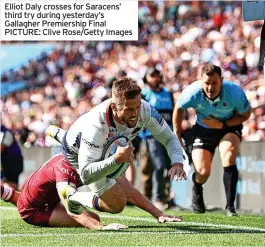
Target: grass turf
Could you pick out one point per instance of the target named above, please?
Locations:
(211, 229)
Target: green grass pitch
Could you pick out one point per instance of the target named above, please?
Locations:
(210, 229)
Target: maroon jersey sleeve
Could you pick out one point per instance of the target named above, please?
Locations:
(66, 174)
(67, 181)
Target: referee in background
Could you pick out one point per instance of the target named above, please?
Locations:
(221, 107)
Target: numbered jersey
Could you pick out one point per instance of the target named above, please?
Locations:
(84, 142)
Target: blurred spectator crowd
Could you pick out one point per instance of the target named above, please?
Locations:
(177, 38)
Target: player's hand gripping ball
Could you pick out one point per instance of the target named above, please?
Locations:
(110, 149)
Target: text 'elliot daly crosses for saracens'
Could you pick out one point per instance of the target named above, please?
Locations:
(35, 6)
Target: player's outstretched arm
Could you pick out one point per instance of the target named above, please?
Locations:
(174, 149)
(163, 134)
(136, 198)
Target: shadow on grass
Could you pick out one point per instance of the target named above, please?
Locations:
(193, 229)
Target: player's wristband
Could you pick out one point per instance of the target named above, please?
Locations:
(224, 125)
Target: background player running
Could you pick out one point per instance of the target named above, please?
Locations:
(221, 108)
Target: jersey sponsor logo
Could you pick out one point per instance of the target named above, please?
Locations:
(89, 143)
(68, 172)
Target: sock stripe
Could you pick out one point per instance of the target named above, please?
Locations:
(8, 192)
(96, 204)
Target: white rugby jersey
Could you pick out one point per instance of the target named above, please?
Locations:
(85, 140)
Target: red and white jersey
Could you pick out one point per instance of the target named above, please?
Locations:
(85, 140)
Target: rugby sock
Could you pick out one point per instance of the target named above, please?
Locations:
(96, 204)
(87, 199)
(6, 192)
(197, 186)
(230, 181)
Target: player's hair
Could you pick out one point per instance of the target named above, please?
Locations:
(125, 88)
(211, 69)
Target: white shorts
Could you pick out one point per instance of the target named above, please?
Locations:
(101, 186)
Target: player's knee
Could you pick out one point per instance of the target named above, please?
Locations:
(118, 206)
(117, 209)
(228, 159)
(203, 173)
(229, 162)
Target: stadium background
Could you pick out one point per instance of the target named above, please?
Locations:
(59, 81)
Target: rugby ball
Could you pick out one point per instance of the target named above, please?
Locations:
(110, 149)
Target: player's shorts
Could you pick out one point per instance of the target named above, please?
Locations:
(101, 186)
(34, 216)
(209, 139)
(37, 216)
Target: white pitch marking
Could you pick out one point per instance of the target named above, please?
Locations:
(144, 219)
(94, 233)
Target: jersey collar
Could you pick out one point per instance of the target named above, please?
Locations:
(109, 116)
(216, 99)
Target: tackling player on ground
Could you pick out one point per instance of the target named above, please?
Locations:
(45, 198)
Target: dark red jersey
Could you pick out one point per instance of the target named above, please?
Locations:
(39, 191)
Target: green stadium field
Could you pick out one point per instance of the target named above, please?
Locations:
(211, 229)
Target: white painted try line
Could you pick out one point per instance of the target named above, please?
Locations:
(145, 219)
(116, 232)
